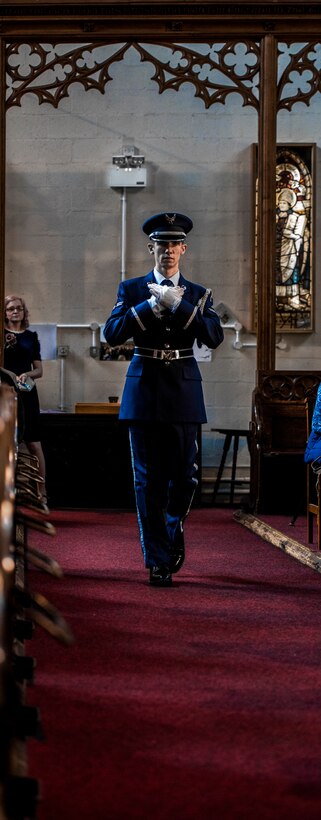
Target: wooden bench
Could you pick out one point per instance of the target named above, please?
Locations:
(278, 439)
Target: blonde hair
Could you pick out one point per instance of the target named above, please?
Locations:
(25, 320)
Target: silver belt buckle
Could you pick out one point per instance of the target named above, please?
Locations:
(169, 355)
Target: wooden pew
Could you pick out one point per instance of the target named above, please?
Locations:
(278, 439)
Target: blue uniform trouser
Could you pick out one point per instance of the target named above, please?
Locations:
(164, 459)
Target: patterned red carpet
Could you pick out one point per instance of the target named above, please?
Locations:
(200, 702)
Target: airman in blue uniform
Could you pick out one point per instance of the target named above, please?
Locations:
(162, 401)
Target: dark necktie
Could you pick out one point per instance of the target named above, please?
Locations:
(168, 282)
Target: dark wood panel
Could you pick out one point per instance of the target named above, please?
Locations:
(87, 461)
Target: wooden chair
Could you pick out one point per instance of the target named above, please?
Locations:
(313, 484)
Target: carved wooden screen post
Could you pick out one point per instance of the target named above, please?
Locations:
(266, 200)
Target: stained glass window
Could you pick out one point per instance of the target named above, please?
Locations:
(294, 239)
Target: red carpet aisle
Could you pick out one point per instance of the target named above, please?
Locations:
(199, 702)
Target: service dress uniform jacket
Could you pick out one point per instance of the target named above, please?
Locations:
(160, 389)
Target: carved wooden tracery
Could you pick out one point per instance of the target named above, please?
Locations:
(282, 386)
(215, 70)
(301, 77)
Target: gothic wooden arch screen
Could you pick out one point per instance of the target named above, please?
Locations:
(223, 26)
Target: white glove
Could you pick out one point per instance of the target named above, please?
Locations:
(155, 306)
(166, 296)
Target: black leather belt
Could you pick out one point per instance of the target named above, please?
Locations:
(165, 355)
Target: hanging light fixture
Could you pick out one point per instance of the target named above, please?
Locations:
(128, 159)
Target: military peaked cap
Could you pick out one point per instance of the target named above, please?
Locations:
(168, 227)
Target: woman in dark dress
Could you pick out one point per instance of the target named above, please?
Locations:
(23, 357)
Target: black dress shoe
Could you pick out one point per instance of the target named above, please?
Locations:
(160, 576)
(177, 559)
